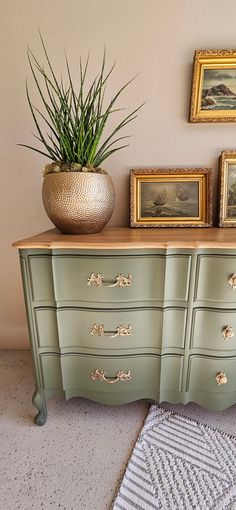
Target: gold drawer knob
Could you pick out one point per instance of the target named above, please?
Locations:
(121, 330)
(228, 332)
(120, 280)
(221, 378)
(100, 375)
(232, 281)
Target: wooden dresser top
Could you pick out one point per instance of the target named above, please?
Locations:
(125, 237)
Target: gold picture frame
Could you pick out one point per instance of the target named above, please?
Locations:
(213, 97)
(173, 197)
(227, 192)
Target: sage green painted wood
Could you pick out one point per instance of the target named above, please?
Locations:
(212, 401)
(208, 325)
(174, 326)
(73, 326)
(203, 370)
(177, 274)
(175, 309)
(212, 278)
(51, 371)
(152, 351)
(76, 373)
(209, 400)
(41, 278)
(71, 275)
(171, 373)
(117, 399)
(38, 400)
(26, 280)
(46, 326)
(148, 278)
(145, 375)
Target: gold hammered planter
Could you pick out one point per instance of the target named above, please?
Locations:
(77, 202)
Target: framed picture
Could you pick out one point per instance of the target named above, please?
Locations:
(227, 184)
(178, 197)
(213, 86)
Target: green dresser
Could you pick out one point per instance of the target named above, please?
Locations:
(132, 314)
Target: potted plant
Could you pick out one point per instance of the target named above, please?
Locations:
(78, 195)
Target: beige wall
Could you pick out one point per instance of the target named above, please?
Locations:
(154, 38)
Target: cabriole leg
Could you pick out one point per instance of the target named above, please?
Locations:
(38, 401)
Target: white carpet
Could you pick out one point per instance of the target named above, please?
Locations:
(179, 464)
(77, 459)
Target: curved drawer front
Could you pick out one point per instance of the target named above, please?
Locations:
(213, 274)
(110, 329)
(51, 371)
(41, 278)
(82, 372)
(214, 329)
(95, 329)
(97, 374)
(171, 373)
(46, 328)
(203, 372)
(146, 275)
(77, 372)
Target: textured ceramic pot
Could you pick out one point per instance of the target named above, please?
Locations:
(77, 202)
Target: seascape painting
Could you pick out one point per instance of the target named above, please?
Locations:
(231, 191)
(170, 199)
(219, 89)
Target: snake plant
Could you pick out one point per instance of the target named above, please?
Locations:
(74, 117)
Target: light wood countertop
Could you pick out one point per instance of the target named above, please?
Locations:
(125, 237)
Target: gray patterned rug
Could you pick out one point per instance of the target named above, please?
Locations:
(179, 464)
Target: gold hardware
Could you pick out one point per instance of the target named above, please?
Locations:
(232, 281)
(123, 330)
(228, 332)
(98, 329)
(100, 375)
(122, 281)
(97, 280)
(221, 378)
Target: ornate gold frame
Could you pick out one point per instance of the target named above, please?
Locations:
(225, 158)
(211, 59)
(201, 175)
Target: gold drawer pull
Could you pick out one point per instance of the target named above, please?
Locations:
(121, 330)
(100, 375)
(221, 378)
(228, 332)
(232, 281)
(121, 280)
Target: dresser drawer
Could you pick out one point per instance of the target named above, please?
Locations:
(84, 372)
(212, 330)
(148, 278)
(142, 374)
(77, 372)
(110, 329)
(213, 273)
(203, 371)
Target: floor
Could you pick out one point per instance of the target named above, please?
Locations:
(76, 460)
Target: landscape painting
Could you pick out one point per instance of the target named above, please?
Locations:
(227, 209)
(170, 199)
(219, 89)
(213, 95)
(231, 191)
